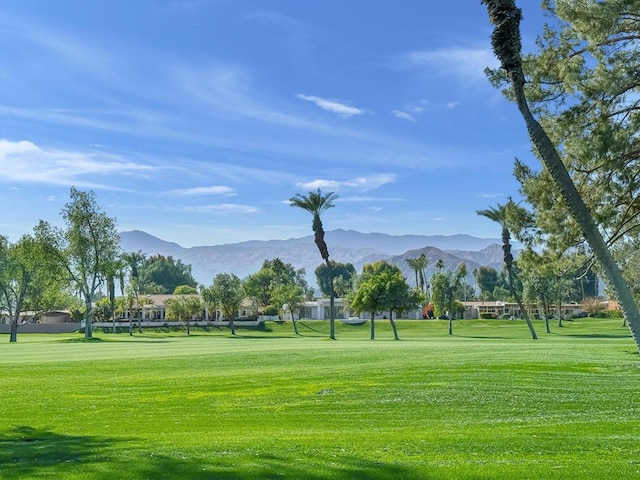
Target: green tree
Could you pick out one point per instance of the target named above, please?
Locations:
(328, 274)
(183, 308)
(499, 215)
(85, 246)
(259, 287)
(316, 203)
(228, 292)
(593, 93)
(419, 266)
(165, 272)
(382, 287)
(445, 285)
(133, 261)
(185, 290)
(112, 271)
(28, 277)
(289, 297)
(487, 280)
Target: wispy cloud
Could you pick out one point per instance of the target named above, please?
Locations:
(204, 191)
(404, 115)
(490, 195)
(411, 111)
(333, 106)
(25, 162)
(368, 198)
(219, 209)
(467, 64)
(361, 184)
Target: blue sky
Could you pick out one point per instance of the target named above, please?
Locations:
(197, 120)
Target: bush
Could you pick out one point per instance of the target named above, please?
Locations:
(486, 316)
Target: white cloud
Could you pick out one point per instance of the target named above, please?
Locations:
(219, 209)
(202, 191)
(333, 106)
(404, 115)
(491, 195)
(466, 63)
(361, 184)
(26, 162)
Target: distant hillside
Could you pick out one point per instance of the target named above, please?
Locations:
(244, 258)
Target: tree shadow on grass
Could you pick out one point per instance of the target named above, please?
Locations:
(27, 452)
(483, 337)
(595, 335)
(276, 467)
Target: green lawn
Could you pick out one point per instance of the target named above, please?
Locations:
(485, 403)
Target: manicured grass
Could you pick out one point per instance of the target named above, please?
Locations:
(485, 403)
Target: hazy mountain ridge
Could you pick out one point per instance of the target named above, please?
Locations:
(357, 248)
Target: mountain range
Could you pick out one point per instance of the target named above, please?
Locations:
(346, 246)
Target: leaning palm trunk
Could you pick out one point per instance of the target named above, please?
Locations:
(506, 44)
(324, 252)
(508, 261)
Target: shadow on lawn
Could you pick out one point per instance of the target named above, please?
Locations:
(27, 452)
(595, 335)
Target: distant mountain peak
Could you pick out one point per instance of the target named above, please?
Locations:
(346, 246)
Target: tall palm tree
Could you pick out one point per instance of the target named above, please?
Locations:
(134, 261)
(499, 215)
(413, 263)
(506, 44)
(316, 203)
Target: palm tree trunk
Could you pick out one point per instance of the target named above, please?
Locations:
(579, 210)
(516, 295)
(332, 295)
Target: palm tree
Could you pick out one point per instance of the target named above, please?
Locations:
(413, 263)
(134, 260)
(419, 264)
(316, 203)
(499, 215)
(506, 44)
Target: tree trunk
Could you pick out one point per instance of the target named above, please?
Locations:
(13, 336)
(295, 325)
(373, 326)
(332, 313)
(188, 328)
(88, 328)
(232, 327)
(579, 210)
(516, 295)
(393, 326)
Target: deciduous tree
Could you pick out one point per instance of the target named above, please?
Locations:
(228, 292)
